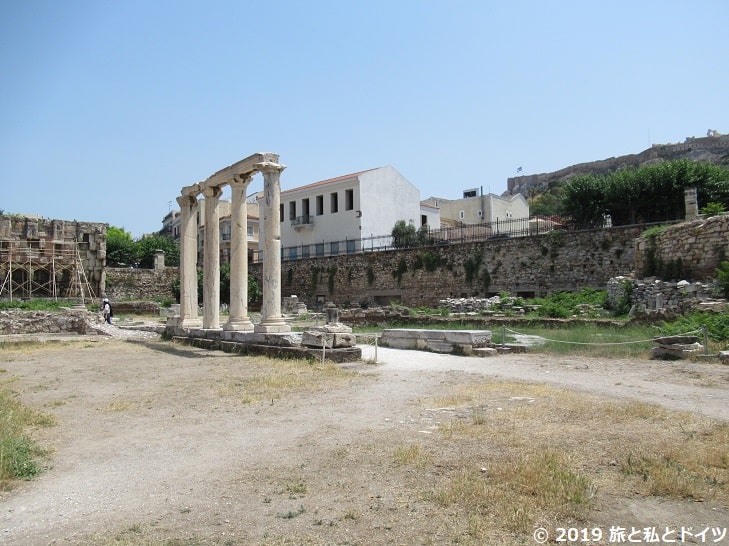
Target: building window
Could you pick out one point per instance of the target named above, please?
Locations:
(480, 214)
(280, 213)
(250, 232)
(305, 251)
(320, 249)
(351, 247)
(292, 253)
(461, 215)
(305, 209)
(348, 199)
(292, 210)
(423, 220)
(334, 202)
(334, 248)
(319, 205)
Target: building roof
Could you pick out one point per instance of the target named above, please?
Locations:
(329, 181)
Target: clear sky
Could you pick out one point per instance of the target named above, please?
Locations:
(108, 108)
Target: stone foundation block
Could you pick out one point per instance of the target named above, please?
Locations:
(319, 338)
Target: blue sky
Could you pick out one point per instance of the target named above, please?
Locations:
(108, 108)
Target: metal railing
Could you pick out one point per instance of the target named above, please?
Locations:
(466, 233)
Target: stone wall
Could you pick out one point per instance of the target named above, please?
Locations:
(139, 284)
(524, 266)
(528, 266)
(690, 250)
(663, 297)
(46, 248)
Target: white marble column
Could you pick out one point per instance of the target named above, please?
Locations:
(211, 259)
(271, 319)
(238, 319)
(188, 261)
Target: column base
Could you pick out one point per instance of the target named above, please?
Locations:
(242, 324)
(180, 322)
(272, 326)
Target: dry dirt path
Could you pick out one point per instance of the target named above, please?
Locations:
(146, 441)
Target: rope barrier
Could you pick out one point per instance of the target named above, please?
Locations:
(585, 343)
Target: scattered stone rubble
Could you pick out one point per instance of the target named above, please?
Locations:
(67, 321)
(654, 296)
(16, 323)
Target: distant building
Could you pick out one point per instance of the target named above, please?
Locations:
(171, 228)
(333, 216)
(477, 208)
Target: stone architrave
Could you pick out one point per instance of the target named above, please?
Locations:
(211, 259)
(271, 319)
(188, 261)
(238, 319)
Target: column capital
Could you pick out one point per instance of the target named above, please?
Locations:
(213, 191)
(267, 167)
(242, 179)
(186, 200)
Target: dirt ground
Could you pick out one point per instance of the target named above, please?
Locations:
(150, 447)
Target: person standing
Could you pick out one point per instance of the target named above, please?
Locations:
(106, 311)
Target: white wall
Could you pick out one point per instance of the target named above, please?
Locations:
(380, 197)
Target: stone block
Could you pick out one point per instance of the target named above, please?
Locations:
(321, 338)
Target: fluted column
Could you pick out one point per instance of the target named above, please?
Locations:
(271, 318)
(188, 261)
(211, 259)
(238, 319)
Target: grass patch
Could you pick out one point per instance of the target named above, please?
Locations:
(589, 339)
(19, 455)
(272, 379)
(510, 456)
(412, 455)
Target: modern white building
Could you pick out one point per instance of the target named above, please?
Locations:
(336, 216)
(477, 208)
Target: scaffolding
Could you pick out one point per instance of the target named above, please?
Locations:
(43, 269)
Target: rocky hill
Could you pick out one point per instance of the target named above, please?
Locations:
(713, 148)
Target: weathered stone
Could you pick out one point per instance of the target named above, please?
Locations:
(330, 340)
(440, 341)
(675, 351)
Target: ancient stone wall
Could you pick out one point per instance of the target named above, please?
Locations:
(664, 297)
(686, 251)
(46, 251)
(529, 266)
(140, 284)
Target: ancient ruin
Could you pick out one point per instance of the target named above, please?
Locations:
(272, 335)
(238, 176)
(44, 258)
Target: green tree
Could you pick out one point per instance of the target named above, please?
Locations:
(147, 245)
(547, 203)
(404, 235)
(584, 201)
(120, 248)
(652, 193)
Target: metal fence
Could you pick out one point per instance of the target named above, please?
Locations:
(467, 233)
